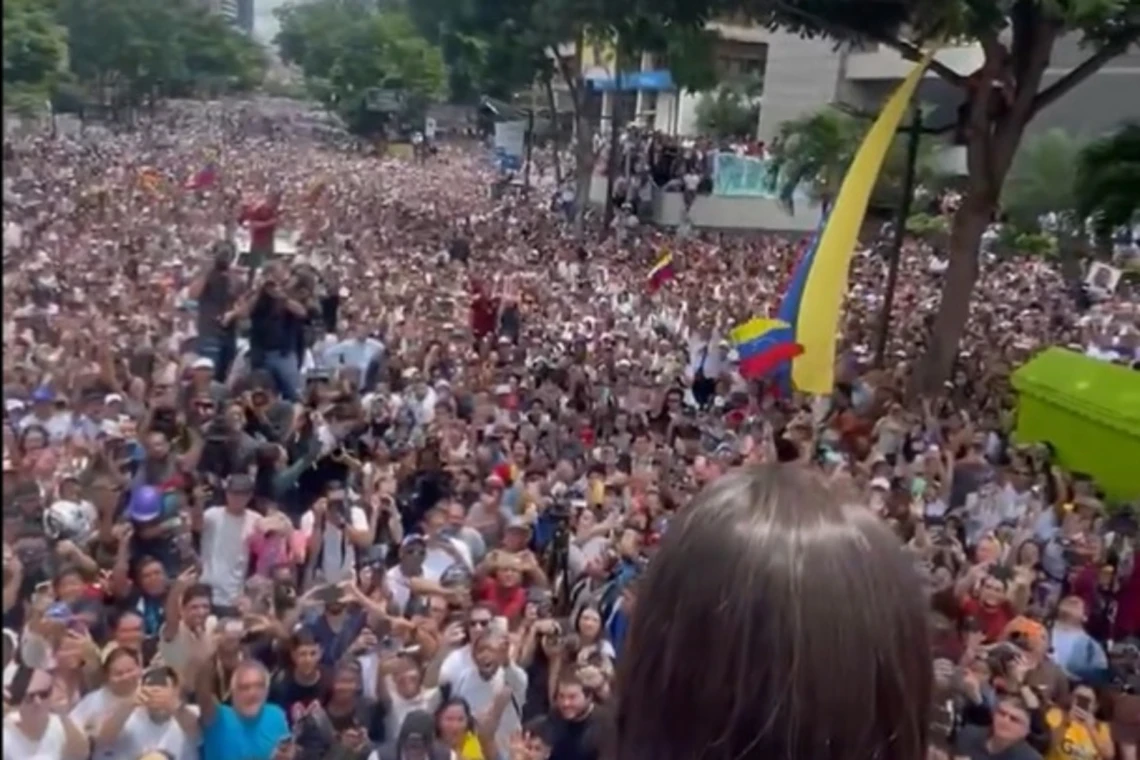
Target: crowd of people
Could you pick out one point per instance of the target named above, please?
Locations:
(398, 491)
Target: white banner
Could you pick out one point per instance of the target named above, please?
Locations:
(510, 137)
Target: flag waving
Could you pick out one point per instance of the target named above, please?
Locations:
(815, 294)
(204, 178)
(661, 272)
(762, 345)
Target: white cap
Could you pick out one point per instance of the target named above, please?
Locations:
(112, 398)
(14, 405)
(203, 362)
(881, 483)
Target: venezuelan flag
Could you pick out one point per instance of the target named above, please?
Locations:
(661, 272)
(815, 294)
(762, 345)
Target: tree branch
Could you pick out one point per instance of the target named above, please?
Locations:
(1087, 68)
(908, 50)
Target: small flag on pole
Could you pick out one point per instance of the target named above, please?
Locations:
(661, 272)
(762, 345)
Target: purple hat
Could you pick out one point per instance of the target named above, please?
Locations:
(145, 504)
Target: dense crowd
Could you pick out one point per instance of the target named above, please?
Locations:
(389, 491)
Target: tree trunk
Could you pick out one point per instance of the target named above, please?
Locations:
(970, 221)
(555, 131)
(583, 165)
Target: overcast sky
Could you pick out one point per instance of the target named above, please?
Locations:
(264, 22)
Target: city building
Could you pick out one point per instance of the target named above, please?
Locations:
(238, 12)
(799, 76)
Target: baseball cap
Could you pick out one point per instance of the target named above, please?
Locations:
(203, 362)
(880, 483)
(145, 504)
(43, 395)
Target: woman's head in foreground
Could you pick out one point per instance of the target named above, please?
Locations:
(776, 622)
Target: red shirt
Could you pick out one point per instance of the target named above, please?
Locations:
(508, 602)
(991, 620)
(484, 315)
(261, 216)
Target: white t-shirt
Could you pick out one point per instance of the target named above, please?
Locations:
(480, 694)
(337, 555)
(141, 734)
(427, 700)
(225, 553)
(437, 560)
(456, 663)
(90, 713)
(398, 586)
(18, 746)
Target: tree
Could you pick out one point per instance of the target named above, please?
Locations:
(1041, 178)
(1002, 97)
(814, 151)
(345, 48)
(1107, 187)
(35, 48)
(126, 52)
(730, 111)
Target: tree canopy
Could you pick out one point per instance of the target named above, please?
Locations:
(122, 52)
(814, 151)
(1041, 179)
(35, 50)
(732, 110)
(1107, 187)
(345, 48)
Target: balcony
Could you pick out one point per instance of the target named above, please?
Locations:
(878, 62)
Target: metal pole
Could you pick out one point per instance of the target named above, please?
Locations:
(529, 149)
(900, 233)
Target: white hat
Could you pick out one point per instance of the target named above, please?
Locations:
(14, 405)
(112, 398)
(203, 362)
(881, 483)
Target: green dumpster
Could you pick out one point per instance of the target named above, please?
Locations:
(1089, 410)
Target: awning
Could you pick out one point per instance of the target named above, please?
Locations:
(659, 80)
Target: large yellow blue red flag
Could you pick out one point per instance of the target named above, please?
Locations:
(815, 294)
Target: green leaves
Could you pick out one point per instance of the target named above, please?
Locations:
(35, 47)
(1107, 184)
(814, 152)
(1041, 178)
(128, 50)
(347, 47)
(728, 112)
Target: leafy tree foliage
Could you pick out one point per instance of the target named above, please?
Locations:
(1041, 179)
(1107, 187)
(35, 49)
(732, 110)
(126, 52)
(345, 48)
(1017, 38)
(814, 152)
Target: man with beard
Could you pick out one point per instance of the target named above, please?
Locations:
(576, 723)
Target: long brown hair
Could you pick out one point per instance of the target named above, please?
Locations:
(775, 622)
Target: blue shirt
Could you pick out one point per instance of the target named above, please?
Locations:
(232, 737)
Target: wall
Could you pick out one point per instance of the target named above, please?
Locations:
(717, 213)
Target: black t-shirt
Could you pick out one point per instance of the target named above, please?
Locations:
(272, 326)
(294, 697)
(576, 739)
(216, 299)
(971, 743)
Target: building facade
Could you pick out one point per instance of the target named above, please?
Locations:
(799, 76)
(238, 12)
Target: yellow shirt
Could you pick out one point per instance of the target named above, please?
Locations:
(471, 749)
(1077, 742)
